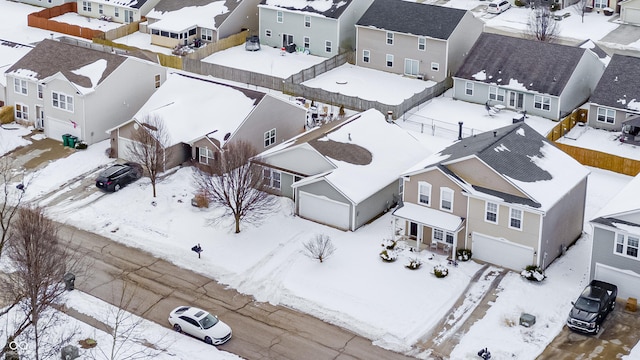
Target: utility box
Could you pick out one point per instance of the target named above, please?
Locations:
(527, 320)
(69, 352)
(69, 281)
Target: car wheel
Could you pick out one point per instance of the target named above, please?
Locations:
(116, 188)
(208, 340)
(177, 328)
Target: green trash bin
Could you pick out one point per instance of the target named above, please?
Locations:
(72, 141)
(65, 139)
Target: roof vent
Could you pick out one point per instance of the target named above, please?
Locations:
(616, 79)
(226, 137)
(349, 136)
(495, 133)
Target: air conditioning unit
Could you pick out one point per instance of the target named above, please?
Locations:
(420, 76)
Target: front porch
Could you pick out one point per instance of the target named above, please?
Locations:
(437, 248)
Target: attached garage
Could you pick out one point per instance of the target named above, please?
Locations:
(501, 252)
(628, 282)
(323, 210)
(124, 146)
(630, 15)
(54, 128)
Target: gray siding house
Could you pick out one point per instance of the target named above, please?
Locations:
(201, 116)
(68, 89)
(509, 195)
(120, 11)
(541, 78)
(322, 27)
(616, 237)
(414, 39)
(616, 97)
(344, 173)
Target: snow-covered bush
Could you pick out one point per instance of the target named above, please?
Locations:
(533, 273)
(463, 254)
(389, 255)
(440, 271)
(413, 264)
(389, 244)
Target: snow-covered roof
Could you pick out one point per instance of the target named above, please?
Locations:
(185, 17)
(434, 218)
(134, 4)
(368, 154)
(192, 107)
(624, 202)
(10, 52)
(328, 8)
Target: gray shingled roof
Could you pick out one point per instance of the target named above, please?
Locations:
(50, 57)
(412, 18)
(338, 7)
(539, 66)
(619, 83)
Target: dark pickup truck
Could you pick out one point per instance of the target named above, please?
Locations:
(597, 300)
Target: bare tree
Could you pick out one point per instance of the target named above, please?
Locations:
(40, 261)
(581, 8)
(150, 147)
(12, 196)
(236, 185)
(320, 247)
(541, 25)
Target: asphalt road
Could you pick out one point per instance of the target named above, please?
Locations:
(260, 330)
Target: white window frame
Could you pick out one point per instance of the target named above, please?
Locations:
(366, 56)
(267, 32)
(307, 21)
(497, 94)
(86, 6)
(389, 60)
(100, 9)
(62, 101)
(389, 38)
(21, 111)
(306, 42)
(422, 44)
(600, 4)
(413, 65)
(272, 178)
(515, 215)
(116, 12)
(40, 91)
(606, 114)
(279, 17)
(446, 194)
(424, 189)
(623, 245)
(20, 86)
(157, 80)
(435, 66)
(269, 137)
(206, 34)
(205, 155)
(328, 46)
(437, 235)
(542, 102)
(468, 88)
(488, 209)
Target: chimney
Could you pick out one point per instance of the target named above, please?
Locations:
(495, 133)
(459, 130)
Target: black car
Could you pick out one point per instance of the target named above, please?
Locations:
(118, 176)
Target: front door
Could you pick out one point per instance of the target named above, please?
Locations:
(39, 117)
(128, 16)
(516, 100)
(413, 231)
(287, 39)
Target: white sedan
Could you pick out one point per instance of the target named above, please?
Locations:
(201, 324)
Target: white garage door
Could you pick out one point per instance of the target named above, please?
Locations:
(124, 151)
(631, 16)
(628, 282)
(323, 210)
(501, 252)
(54, 128)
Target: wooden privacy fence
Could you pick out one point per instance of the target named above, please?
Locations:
(41, 20)
(602, 160)
(123, 30)
(565, 125)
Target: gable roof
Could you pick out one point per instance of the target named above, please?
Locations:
(134, 4)
(412, 18)
(84, 67)
(179, 15)
(522, 64)
(623, 203)
(618, 86)
(10, 52)
(520, 155)
(328, 8)
(193, 107)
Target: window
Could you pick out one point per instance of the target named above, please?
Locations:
(192, 32)
(449, 237)
(401, 187)
(435, 66)
(20, 86)
(424, 193)
(267, 33)
(542, 102)
(100, 11)
(62, 101)
(446, 199)
(40, 91)
(22, 112)
(366, 56)
(389, 60)
(205, 155)
(438, 235)
(86, 6)
(307, 21)
(422, 44)
(606, 115)
(157, 81)
(411, 67)
(206, 34)
(279, 17)
(271, 178)
(269, 137)
(491, 212)
(627, 245)
(306, 42)
(468, 88)
(515, 219)
(389, 38)
(496, 94)
(116, 12)
(327, 46)
(599, 4)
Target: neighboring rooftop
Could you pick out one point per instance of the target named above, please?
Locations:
(327, 8)
(618, 86)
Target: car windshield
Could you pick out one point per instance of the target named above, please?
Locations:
(588, 305)
(208, 321)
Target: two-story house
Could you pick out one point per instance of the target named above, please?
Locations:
(68, 89)
(120, 11)
(509, 195)
(321, 27)
(414, 39)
